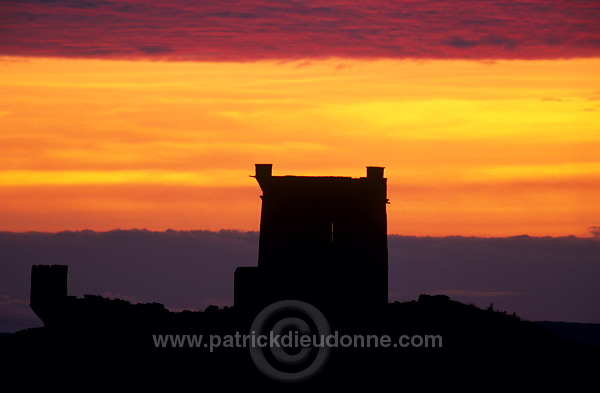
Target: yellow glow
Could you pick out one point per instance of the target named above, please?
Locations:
(470, 148)
(31, 178)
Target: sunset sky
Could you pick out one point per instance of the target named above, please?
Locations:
(139, 114)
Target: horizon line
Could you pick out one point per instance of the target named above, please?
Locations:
(171, 230)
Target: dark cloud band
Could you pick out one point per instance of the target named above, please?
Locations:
(260, 29)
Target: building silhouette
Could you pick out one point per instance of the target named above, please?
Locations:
(322, 240)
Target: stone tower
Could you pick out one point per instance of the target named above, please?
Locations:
(322, 240)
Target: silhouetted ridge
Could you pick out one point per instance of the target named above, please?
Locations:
(476, 343)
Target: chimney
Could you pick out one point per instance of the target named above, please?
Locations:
(263, 170)
(375, 172)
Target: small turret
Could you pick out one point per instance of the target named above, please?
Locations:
(48, 290)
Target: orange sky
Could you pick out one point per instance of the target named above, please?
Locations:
(470, 148)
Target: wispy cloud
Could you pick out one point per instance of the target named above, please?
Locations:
(469, 147)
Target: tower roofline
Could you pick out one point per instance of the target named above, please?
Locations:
(264, 171)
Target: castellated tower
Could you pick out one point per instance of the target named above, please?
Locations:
(322, 240)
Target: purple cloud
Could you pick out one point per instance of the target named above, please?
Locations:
(262, 29)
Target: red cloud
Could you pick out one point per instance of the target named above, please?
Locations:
(259, 29)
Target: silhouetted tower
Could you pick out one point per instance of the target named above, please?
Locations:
(48, 291)
(322, 240)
